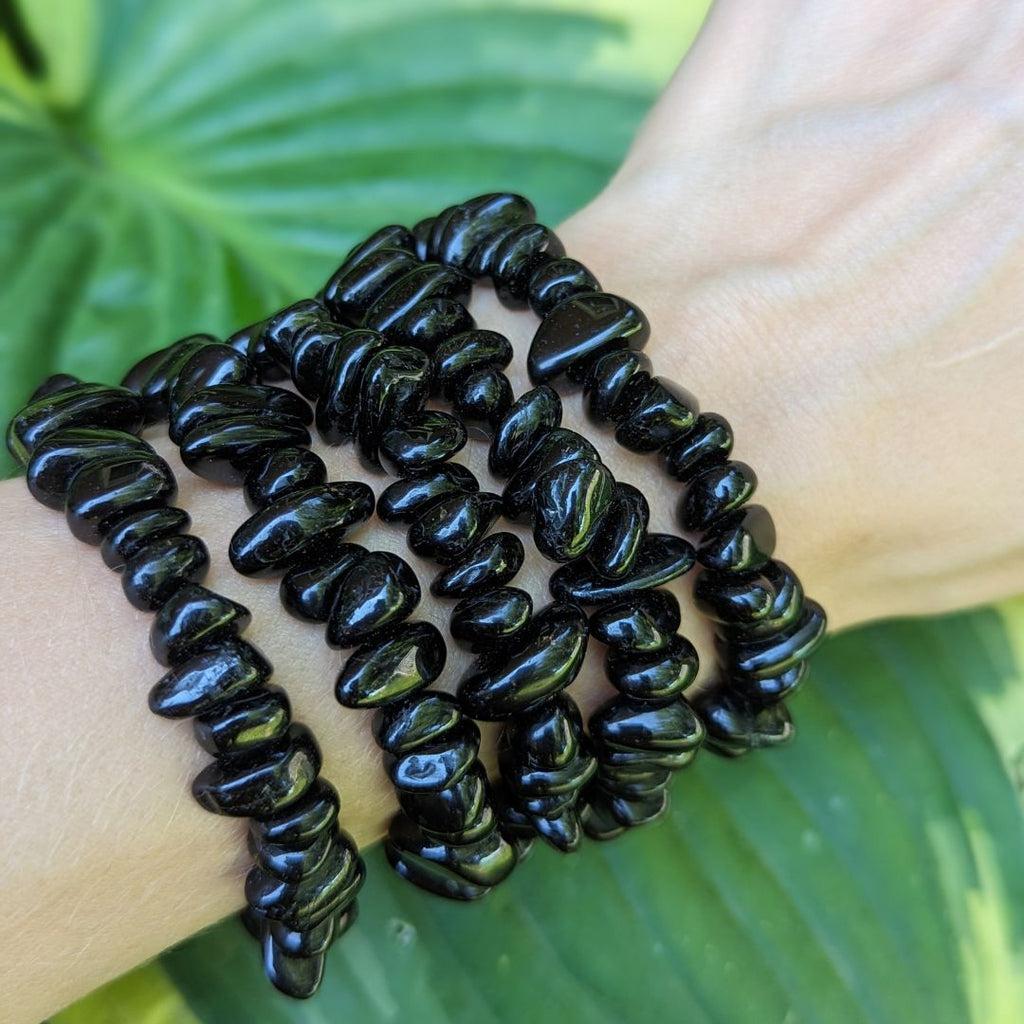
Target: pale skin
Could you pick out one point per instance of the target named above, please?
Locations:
(823, 218)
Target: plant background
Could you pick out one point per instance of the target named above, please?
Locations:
(183, 165)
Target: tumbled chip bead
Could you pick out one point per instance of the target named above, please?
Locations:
(261, 402)
(427, 280)
(283, 327)
(207, 367)
(82, 405)
(458, 230)
(251, 342)
(377, 593)
(556, 279)
(356, 284)
(105, 489)
(343, 374)
(295, 976)
(481, 400)
(277, 536)
(153, 574)
(308, 942)
(713, 492)
(653, 675)
(422, 441)
(395, 384)
(519, 253)
(472, 350)
(404, 501)
(152, 376)
(649, 728)
(391, 236)
(55, 382)
(709, 441)
(290, 863)
(532, 416)
(193, 620)
(751, 606)
(769, 688)
(736, 725)
(245, 722)
(550, 734)
(491, 563)
(608, 381)
(126, 536)
(313, 345)
(740, 541)
(621, 533)
(414, 722)
(280, 472)
(642, 622)
(555, 448)
(657, 413)
(301, 822)
(480, 623)
(379, 673)
(209, 679)
(430, 322)
(225, 450)
(308, 589)
(452, 525)
(773, 654)
(462, 813)
(433, 767)
(569, 506)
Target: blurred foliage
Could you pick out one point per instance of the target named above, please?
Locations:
(188, 166)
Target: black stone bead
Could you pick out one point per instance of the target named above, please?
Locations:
(597, 819)
(301, 822)
(209, 679)
(433, 767)
(771, 655)
(482, 399)
(643, 622)
(245, 722)
(421, 233)
(481, 623)
(308, 589)
(251, 342)
(55, 382)
(283, 328)
(662, 557)
(128, 535)
(459, 230)
(621, 533)
(298, 524)
(650, 729)
(194, 619)
(83, 405)
(657, 413)
(404, 501)
(543, 659)
(268, 405)
(457, 815)
(207, 367)
(451, 526)
(377, 593)
(427, 280)
(157, 570)
(430, 322)
(653, 675)
(741, 541)
(356, 285)
(491, 563)
(396, 383)
(715, 491)
(609, 381)
(521, 251)
(296, 976)
(548, 735)
(394, 668)
(579, 330)
(291, 863)
(531, 417)
(151, 378)
(633, 783)
(555, 448)
(464, 872)
(736, 725)
(282, 471)
(460, 355)
(343, 374)
(769, 688)
(226, 450)
(423, 440)
(104, 490)
(315, 897)
(569, 506)
(758, 604)
(391, 236)
(631, 813)
(417, 721)
(708, 442)
(59, 456)
(557, 279)
(312, 347)
(302, 943)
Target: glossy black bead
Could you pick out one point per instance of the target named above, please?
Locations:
(417, 721)
(421, 233)
(315, 897)
(650, 729)
(226, 450)
(662, 557)
(129, 534)
(308, 589)
(633, 783)
(338, 404)
(207, 367)
(653, 675)
(308, 942)
(643, 622)
(773, 654)
(597, 819)
(658, 412)
(555, 448)
(741, 541)
(491, 563)
(423, 440)
(251, 342)
(392, 669)
(481, 623)
(459, 230)
(608, 383)
(544, 658)
(377, 593)
(404, 501)
(549, 735)
(569, 506)
(245, 722)
(282, 471)
(460, 355)
(452, 525)
(391, 236)
(282, 534)
(579, 330)
(312, 348)
(459, 814)
(194, 619)
(104, 490)
(481, 400)
(532, 416)
(301, 822)
(769, 688)
(151, 378)
(708, 442)
(463, 872)
(396, 383)
(83, 405)
(209, 679)
(556, 279)
(621, 533)
(153, 574)
(631, 813)
(290, 863)
(430, 322)
(521, 251)
(355, 285)
(758, 604)
(260, 402)
(55, 382)
(59, 456)
(433, 767)
(296, 976)
(736, 725)
(426, 280)
(283, 328)
(715, 491)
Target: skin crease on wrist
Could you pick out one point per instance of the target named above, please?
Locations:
(830, 258)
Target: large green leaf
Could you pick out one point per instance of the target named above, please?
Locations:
(189, 165)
